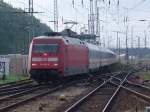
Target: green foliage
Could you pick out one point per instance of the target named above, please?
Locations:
(14, 29)
(145, 75)
(118, 66)
(13, 78)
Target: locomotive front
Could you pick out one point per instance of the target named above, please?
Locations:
(44, 59)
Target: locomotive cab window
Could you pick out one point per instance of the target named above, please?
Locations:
(45, 48)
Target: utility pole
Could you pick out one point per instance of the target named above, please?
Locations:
(97, 22)
(118, 10)
(139, 50)
(89, 28)
(91, 21)
(145, 35)
(55, 16)
(127, 55)
(31, 27)
(97, 18)
(31, 6)
(145, 40)
(132, 44)
(126, 23)
(139, 45)
(117, 43)
(118, 39)
(119, 49)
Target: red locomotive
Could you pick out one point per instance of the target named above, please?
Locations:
(53, 57)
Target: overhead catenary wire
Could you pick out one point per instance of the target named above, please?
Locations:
(81, 14)
(137, 5)
(48, 12)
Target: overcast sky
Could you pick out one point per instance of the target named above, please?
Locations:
(135, 10)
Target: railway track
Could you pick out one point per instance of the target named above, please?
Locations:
(12, 91)
(30, 94)
(16, 84)
(11, 96)
(16, 87)
(136, 89)
(138, 97)
(99, 99)
(11, 101)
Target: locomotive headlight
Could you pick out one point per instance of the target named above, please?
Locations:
(55, 64)
(33, 64)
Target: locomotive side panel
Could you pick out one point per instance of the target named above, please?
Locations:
(107, 57)
(76, 61)
(99, 57)
(94, 57)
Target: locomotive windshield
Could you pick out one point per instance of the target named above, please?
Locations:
(45, 48)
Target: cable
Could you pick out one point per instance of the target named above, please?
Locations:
(82, 5)
(74, 8)
(138, 4)
(41, 7)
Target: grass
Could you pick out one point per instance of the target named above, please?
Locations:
(13, 78)
(119, 66)
(145, 75)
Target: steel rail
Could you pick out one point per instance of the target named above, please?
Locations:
(70, 109)
(21, 93)
(145, 87)
(13, 91)
(83, 99)
(107, 106)
(15, 88)
(14, 84)
(6, 108)
(145, 97)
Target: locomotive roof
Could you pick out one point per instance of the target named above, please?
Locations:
(67, 40)
(93, 47)
(47, 37)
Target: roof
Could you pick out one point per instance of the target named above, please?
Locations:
(67, 40)
(76, 41)
(95, 47)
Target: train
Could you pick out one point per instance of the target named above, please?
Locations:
(58, 57)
